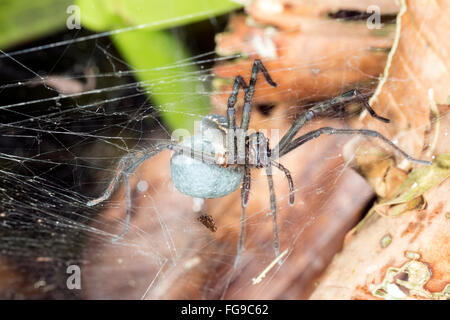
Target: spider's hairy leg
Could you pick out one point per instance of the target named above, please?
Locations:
(246, 187)
(273, 209)
(231, 118)
(238, 83)
(107, 194)
(364, 132)
(127, 209)
(257, 66)
(289, 179)
(358, 95)
(244, 201)
(126, 166)
(320, 107)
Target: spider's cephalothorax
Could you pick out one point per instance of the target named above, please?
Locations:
(257, 150)
(215, 161)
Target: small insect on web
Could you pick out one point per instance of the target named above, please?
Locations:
(214, 162)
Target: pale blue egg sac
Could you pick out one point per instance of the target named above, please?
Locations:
(202, 180)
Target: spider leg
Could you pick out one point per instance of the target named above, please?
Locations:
(244, 201)
(289, 179)
(345, 98)
(246, 187)
(257, 66)
(128, 209)
(273, 208)
(369, 133)
(356, 93)
(126, 166)
(231, 118)
(107, 194)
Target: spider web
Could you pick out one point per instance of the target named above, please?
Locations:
(58, 151)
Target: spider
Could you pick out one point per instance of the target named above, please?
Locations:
(215, 161)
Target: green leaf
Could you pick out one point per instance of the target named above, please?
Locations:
(173, 89)
(153, 53)
(22, 20)
(102, 15)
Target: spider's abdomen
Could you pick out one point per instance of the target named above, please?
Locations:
(196, 178)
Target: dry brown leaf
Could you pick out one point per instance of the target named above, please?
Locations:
(415, 265)
(418, 67)
(199, 263)
(168, 254)
(14, 284)
(359, 270)
(285, 13)
(315, 57)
